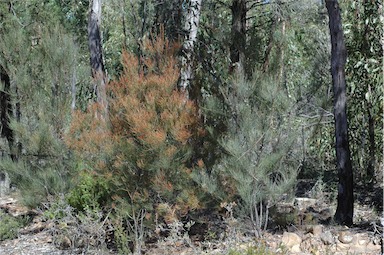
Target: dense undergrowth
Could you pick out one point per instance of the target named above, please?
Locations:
(159, 162)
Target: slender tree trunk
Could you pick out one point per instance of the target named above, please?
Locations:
(238, 32)
(191, 26)
(123, 21)
(170, 14)
(6, 110)
(95, 49)
(17, 115)
(282, 52)
(73, 89)
(345, 199)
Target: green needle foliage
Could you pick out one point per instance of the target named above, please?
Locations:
(260, 162)
(41, 60)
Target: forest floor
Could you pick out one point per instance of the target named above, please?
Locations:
(312, 233)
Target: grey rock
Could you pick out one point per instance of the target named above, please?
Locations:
(327, 238)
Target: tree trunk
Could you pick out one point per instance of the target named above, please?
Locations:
(170, 14)
(6, 111)
(5, 130)
(73, 89)
(238, 32)
(345, 200)
(191, 26)
(95, 49)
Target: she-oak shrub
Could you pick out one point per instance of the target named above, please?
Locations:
(144, 146)
(260, 144)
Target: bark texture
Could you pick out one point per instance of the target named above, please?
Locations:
(238, 32)
(345, 199)
(96, 52)
(6, 110)
(191, 26)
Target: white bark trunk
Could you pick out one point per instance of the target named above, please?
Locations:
(96, 53)
(96, 8)
(191, 26)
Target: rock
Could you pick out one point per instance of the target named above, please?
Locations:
(371, 247)
(339, 253)
(316, 230)
(296, 248)
(342, 247)
(327, 238)
(345, 237)
(311, 245)
(358, 249)
(361, 239)
(291, 239)
(187, 251)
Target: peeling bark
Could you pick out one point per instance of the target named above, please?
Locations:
(96, 52)
(191, 27)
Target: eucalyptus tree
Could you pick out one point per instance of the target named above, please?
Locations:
(96, 52)
(345, 199)
(192, 18)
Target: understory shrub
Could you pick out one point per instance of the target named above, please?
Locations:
(90, 192)
(260, 162)
(43, 169)
(10, 226)
(143, 148)
(83, 231)
(42, 76)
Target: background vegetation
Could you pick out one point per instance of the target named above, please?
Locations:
(159, 156)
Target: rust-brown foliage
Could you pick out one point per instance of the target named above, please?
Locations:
(144, 148)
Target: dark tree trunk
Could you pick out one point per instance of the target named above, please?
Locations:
(169, 14)
(17, 115)
(238, 33)
(124, 24)
(345, 199)
(6, 110)
(95, 49)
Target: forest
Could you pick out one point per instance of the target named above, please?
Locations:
(193, 126)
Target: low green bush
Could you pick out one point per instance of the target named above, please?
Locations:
(9, 226)
(90, 192)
